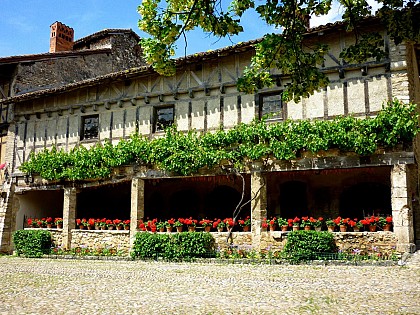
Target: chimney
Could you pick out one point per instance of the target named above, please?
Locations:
(61, 37)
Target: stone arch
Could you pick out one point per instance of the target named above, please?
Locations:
(364, 199)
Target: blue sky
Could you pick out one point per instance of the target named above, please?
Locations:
(25, 24)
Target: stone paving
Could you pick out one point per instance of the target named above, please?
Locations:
(57, 286)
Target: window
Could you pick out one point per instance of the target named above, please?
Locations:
(164, 117)
(90, 127)
(272, 105)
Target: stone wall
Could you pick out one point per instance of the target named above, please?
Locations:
(98, 240)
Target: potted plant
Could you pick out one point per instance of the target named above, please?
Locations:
(160, 226)
(31, 223)
(372, 223)
(245, 223)
(385, 222)
(357, 225)
(151, 225)
(330, 225)
(206, 224)
(306, 223)
(102, 224)
(219, 225)
(141, 225)
(191, 224)
(118, 224)
(109, 224)
(49, 222)
(179, 224)
(318, 223)
(58, 223)
(91, 224)
(343, 224)
(264, 225)
(126, 224)
(295, 223)
(283, 224)
(169, 224)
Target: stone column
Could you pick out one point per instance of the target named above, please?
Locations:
(69, 215)
(137, 206)
(258, 206)
(402, 210)
(9, 205)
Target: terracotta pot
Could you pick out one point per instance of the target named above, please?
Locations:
(284, 228)
(318, 228)
(169, 229)
(307, 227)
(343, 228)
(191, 228)
(220, 229)
(119, 227)
(90, 227)
(331, 228)
(179, 228)
(356, 229)
(387, 227)
(103, 227)
(263, 229)
(245, 228)
(272, 227)
(110, 227)
(295, 227)
(81, 226)
(207, 228)
(372, 228)
(162, 229)
(97, 227)
(126, 227)
(59, 226)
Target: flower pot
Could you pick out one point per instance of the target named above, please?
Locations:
(207, 228)
(103, 227)
(59, 226)
(284, 228)
(387, 227)
(307, 227)
(162, 229)
(372, 228)
(169, 229)
(90, 227)
(220, 229)
(127, 227)
(272, 227)
(179, 229)
(318, 228)
(245, 228)
(49, 226)
(191, 228)
(110, 227)
(356, 229)
(81, 226)
(343, 228)
(331, 228)
(119, 227)
(263, 229)
(295, 228)
(97, 227)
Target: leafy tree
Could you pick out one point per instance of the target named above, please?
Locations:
(166, 21)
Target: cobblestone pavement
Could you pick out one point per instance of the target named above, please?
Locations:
(57, 286)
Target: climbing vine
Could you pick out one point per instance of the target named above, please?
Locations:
(184, 153)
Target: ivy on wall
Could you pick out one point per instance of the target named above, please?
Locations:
(184, 153)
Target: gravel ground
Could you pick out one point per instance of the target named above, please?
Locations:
(57, 286)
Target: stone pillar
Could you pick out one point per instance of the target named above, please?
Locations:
(137, 206)
(69, 215)
(9, 205)
(402, 210)
(258, 206)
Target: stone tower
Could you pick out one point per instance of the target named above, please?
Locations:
(61, 37)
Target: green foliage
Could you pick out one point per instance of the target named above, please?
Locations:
(167, 21)
(177, 246)
(185, 153)
(32, 243)
(306, 245)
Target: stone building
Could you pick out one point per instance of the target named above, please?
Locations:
(203, 96)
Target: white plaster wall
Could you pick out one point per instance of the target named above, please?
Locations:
(377, 93)
(315, 105)
(230, 115)
(247, 108)
(335, 99)
(356, 96)
(213, 113)
(197, 115)
(181, 115)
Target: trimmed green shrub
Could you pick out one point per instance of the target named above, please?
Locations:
(308, 245)
(32, 243)
(178, 246)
